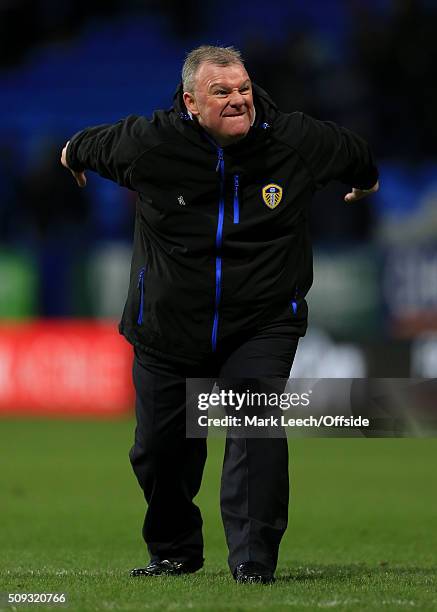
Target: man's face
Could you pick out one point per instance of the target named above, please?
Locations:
(222, 101)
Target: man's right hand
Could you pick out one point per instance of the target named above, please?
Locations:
(80, 177)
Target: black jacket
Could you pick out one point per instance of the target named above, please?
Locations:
(221, 235)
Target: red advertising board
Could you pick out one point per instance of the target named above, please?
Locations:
(71, 367)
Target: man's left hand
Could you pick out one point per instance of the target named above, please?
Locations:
(357, 194)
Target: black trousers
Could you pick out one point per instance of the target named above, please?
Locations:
(169, 467)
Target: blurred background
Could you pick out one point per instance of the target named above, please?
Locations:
(65, 252)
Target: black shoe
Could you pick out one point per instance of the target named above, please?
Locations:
(167, 567)
(251, 571)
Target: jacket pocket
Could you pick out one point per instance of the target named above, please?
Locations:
(140, 288)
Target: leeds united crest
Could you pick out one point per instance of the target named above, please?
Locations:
(272, 195)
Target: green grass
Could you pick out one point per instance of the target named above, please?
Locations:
(362, 533)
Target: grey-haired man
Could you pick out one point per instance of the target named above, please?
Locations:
(217, 287)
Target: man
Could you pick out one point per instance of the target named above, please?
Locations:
(220, 269)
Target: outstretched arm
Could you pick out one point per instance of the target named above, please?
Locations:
(110, 150)
(333, 152)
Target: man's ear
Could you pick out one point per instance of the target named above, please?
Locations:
(190, 103)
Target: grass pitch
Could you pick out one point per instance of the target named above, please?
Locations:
(362, 533)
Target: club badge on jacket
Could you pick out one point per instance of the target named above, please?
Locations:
(272, 195)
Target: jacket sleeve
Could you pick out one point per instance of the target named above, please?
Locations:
(110, 150)
(335, 153)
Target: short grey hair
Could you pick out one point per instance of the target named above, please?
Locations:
(219, 56)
